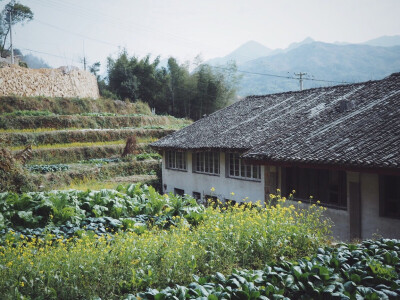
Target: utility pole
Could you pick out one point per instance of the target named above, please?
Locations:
(300, 79)
(12, 49)
(84, 56)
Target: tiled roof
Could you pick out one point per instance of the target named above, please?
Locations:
(355, 125)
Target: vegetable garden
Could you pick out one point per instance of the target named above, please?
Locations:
(130, 242)
(133, 243)
(66, 134)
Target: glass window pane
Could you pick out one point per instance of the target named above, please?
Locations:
(216, 163)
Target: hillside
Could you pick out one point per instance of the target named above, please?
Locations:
(350, 63)
(248, 51)
(373, 59)
(78, 142)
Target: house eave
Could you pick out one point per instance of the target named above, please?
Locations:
(343, 166)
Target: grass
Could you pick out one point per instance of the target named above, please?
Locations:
(94, 184)
(83, 144)
(40, 130)
(70, 145)
(67, 106)
(91, 184)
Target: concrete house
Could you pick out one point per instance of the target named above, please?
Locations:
(339, 144)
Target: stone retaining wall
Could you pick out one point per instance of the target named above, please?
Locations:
(62, 82)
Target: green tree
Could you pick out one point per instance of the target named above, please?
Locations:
(139, 79)
(173, 90)
(216, 88)
(13, 13)
(180, 88)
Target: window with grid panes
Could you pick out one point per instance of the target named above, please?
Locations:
(389, 188)
(239, 169)
(206, 162)
(327, 186)
(175, 160)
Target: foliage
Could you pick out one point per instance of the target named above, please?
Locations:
(144, 156)
(29, 113)
(39, 209)
(202, 242)
(73, 154)
(173, 90)
(43, 169)
(101, 161)
(76, 121)
(98, 172)
(42, 137)
(68, 106)
(345, 272)
(20, 13)
(12, 176)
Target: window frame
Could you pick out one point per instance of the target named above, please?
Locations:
(322, 184)
(179, 192)
(236, 167)
(176, 160)
(207, 162)
(386, 205)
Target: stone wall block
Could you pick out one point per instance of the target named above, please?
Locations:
(61, 82)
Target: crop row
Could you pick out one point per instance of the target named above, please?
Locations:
(202, 241)
(370, 270)
(43, 169)
(75, 154)
(67, 106)
(86, 135)
(98, 172)
(61, 122)
(67, 213)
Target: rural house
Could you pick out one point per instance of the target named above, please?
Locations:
(339, 144)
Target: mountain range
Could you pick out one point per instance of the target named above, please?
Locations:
(324, 64)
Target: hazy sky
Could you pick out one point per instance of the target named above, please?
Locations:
(66, 29)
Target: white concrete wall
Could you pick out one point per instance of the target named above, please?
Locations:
(195, 182)
(372, 225)
(339, 218)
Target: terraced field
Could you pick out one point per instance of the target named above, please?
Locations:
(78, 143)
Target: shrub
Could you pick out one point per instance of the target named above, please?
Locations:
(12, 176)
(223, 239)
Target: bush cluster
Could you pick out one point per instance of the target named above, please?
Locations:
(13, 177)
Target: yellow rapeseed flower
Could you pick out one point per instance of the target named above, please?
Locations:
(212, 189)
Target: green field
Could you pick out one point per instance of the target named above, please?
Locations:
(72, 131)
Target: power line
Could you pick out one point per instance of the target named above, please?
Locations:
(77, 34)
(50, 54)
(285, 77)
(300, 79)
